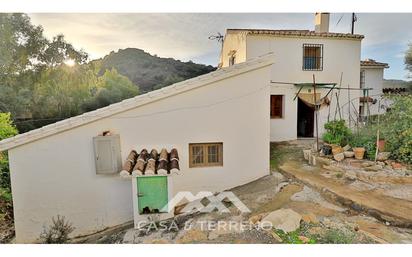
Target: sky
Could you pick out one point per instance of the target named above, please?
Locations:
(184, 36)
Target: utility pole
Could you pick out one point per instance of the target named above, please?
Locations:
(353, 23)
(316, 113)
(349, 115)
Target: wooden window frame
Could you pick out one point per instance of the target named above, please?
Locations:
(272, 116)
(205, 157)
(318, 59)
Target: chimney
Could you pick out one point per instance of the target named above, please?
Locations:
(321, 22)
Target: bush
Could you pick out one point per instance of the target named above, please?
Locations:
(7, 129)
(336, 132)
(397, 128)
(292, 237)
(366, 138)
(58, 232)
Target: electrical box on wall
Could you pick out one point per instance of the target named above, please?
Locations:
(107, 154)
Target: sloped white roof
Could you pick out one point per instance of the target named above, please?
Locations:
(137, 101)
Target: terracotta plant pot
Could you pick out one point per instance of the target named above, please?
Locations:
(359, 152)
(336, 149)
(381, 145)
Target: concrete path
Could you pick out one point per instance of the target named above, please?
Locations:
(396, 211)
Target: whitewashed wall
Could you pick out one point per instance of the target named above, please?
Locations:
(233, 42)
(56, 175)
(339, 56)
(374, 79)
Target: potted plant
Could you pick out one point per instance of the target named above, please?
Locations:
(364, 142)
(359, 152)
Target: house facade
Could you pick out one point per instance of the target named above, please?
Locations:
(371, 76)
(71, 168)
(304, 57)
(123, 162)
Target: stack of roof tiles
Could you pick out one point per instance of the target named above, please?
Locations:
(371, 62)
(153, 163)
(297, 33)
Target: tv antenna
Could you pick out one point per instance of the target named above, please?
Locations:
(218, 37)
(337, 23)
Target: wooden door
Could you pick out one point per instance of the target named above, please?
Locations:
(152, 194)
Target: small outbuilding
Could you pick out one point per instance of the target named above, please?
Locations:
(209, 133)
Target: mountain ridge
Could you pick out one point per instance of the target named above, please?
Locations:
(150, 72)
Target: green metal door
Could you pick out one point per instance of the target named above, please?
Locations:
(152, 194)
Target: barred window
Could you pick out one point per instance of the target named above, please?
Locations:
(312, 57)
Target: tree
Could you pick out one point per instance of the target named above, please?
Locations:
(111, 88)
(24, 54)
(60, 91)
(408, 59)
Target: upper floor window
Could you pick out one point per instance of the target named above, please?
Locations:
(312, 57)
(362, 79)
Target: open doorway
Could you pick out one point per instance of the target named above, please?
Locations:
(306, 117)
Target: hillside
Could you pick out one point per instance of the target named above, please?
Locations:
(395, 83)
(151, 72)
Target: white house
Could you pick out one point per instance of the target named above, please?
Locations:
(371, 76)
(302, 56)
(216, 122)
(209, 133)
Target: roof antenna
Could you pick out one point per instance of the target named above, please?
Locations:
(218, 37)
(354, 19)
(337, 23)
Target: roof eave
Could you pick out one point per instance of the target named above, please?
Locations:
(135, 102)
(298, 33)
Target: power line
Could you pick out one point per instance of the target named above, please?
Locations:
(161, 112)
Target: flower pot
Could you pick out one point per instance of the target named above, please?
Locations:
(359, 152)
(381, 145)
(336, 149)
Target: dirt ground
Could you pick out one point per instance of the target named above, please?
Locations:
(6, 221)
(312, 192)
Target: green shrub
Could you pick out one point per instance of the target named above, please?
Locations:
(396, 126)
(292, 237)
(336, 132)
(366, 138)
(7, 129)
